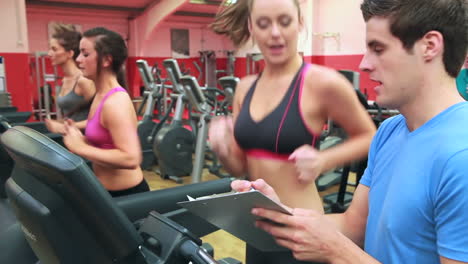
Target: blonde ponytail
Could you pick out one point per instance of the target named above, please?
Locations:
(232, 20)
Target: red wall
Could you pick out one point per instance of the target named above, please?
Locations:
(19, 83)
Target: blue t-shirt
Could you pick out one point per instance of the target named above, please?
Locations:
(418, 196)
(462, 83)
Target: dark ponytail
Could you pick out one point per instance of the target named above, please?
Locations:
(109, 43)
(122, 77)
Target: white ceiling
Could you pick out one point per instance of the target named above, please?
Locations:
(115, 3)
(196, 8)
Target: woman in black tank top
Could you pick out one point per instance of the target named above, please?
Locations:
(278, 117)
(76, 92)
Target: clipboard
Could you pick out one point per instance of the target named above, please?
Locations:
(232, 213)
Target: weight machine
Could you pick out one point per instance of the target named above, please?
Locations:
(47, 87)
(5, 98)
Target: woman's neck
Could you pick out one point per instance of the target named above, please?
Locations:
(106, 82)
(70, 70)
(290, 66)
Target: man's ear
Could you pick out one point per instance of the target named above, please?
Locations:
(432, 44)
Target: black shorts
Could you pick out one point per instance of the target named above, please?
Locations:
(255, 256)
(141, 187)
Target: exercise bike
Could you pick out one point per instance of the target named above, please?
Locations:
(146, 124)
(228, 84)
(174, 144)
(206, 104)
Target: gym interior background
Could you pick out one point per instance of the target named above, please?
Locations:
(333, 36)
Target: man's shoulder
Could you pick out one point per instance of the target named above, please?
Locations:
(392, 121)
(455, 120)
(390, 128)
(391, 124)
(451, 135)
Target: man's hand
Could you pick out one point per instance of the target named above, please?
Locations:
(260, 185)
(308, 233)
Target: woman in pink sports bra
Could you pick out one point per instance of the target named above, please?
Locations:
(110, 141)
(278, 115)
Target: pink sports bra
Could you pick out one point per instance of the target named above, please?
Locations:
(97, 135)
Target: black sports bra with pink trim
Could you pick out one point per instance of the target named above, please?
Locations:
(282, 131)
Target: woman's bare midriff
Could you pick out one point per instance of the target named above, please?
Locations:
(283, 177)
(117, 179)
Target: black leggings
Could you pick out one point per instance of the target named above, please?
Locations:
(141, 187)
(255, 256)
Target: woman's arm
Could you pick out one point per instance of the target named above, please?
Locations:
(81, 125)
(85, 88)
(222, 138)
(341, 105)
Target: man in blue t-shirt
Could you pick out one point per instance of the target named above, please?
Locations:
(411, 205)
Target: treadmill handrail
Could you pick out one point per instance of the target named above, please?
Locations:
(173, 70)
(194, 93)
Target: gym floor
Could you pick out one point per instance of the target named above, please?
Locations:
(224, 244)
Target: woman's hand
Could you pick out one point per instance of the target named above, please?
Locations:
(220, 135)
(309, 163)
(55, 126)
(73, 138)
